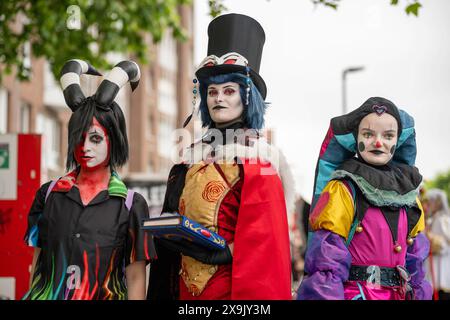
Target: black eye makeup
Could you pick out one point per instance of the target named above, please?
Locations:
(95, 138)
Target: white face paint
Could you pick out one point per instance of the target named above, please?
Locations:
(94, 150)
(377, 137)
(224, 103)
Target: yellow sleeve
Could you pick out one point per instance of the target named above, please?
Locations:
(420, 225)
(334, 210)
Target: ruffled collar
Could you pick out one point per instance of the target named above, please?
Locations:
(116, 187)
(393, 184)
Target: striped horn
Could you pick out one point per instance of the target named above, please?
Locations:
(123, 72)
(70, 81)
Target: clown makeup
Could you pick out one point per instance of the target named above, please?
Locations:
(377, 138)
(224, 103)
(93, 151)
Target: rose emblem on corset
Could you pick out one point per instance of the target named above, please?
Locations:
(213, 190)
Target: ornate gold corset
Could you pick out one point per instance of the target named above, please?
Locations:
(203, 192)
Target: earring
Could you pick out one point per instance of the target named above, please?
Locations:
(194, 91)
(248, 80)
(194, 102)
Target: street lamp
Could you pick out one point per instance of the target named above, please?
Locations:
(344, 85)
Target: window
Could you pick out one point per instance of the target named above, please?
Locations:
(25, 110)
(168, 52)
(3, 110)
(167, 102)
(51, 141)
(165, 137)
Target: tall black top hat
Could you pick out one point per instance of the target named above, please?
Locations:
(232, 34)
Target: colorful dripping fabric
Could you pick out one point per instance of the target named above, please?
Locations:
(85, 249)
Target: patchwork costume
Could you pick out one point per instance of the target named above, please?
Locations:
(365, 219)
(236, 190)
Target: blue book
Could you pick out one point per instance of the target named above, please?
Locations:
(180, 228)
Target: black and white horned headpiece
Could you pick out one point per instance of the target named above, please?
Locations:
(123, 72)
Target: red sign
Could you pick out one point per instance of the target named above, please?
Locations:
(15, 255)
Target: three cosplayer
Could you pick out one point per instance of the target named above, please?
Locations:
(366, 218)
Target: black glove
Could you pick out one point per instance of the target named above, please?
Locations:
(200, 253)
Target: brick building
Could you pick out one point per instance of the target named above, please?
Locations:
(153, 111)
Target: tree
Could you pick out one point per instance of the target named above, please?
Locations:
(60, 30)
(89, 29)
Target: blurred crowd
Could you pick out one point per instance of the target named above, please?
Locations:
(298, 235)
(437, 212)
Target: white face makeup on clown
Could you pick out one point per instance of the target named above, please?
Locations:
(224, 103)
(93, 152)
(377, 138)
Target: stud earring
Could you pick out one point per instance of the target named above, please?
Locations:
(248, 81)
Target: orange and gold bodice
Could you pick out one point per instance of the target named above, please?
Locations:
(206, 185)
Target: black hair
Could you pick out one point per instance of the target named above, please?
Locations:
(111, 118)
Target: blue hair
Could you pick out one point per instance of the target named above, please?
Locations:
(253, 114)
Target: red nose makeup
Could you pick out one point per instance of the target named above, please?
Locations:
(378, 144)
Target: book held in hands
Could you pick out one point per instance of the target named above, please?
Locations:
(180, 228)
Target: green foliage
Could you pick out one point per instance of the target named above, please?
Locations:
(442, 181)
(413, 8)
(83, 29)
(216, 7)
(328, 3)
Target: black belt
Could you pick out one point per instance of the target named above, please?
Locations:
(391, 277)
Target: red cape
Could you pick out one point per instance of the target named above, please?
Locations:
(261, 254)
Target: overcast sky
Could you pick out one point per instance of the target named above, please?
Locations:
(406, 60)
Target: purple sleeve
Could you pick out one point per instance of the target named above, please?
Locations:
(327, 264)
(415, 257)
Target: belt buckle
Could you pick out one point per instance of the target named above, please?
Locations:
(374, 277)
